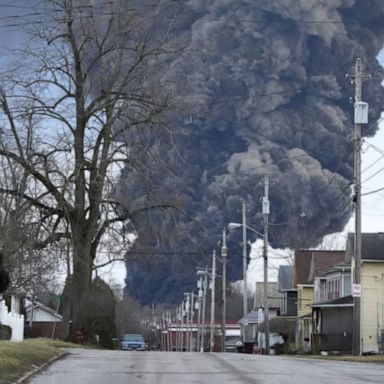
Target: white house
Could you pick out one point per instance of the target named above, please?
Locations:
(43, 320)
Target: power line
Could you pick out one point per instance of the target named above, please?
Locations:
(375, 174)
(372, 192)
(371, 165)
(375, 147)
(343, 22)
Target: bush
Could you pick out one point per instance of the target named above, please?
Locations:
(5, 332)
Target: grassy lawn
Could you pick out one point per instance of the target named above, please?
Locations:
(17, 359)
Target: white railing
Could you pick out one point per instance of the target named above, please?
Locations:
(14, 320)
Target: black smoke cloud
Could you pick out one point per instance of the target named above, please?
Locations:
(264, 92)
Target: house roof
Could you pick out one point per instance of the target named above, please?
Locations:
(285, 277)
(343, 267)
(250, 318)
(309, 262)
(29, 306)
(372, 246)
(346, 301)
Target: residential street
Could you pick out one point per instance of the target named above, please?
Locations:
(120, 367)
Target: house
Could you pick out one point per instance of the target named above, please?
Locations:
(288, 294)
(306, 265)
(42, 320)
(179, 336)
(332, 310)
(372, 290)
(248, 327)
(250, 322)
(253, 324)
(285, 323)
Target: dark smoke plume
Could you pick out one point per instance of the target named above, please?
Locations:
(263, 91)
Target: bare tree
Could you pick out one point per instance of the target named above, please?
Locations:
(30, 268)
(80, 106)
(128, 316)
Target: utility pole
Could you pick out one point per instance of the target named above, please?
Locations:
(199, 299)
(245, 296)
(205, 286)
(188, 321)
(361, 117)
(169, 324)
(224, 293)
(182, 327)
(178, 328)
(265, 211)
(192, 321)
(213, 299)
(357, 239)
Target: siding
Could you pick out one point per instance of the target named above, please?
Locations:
(305, 298)
(372, 305)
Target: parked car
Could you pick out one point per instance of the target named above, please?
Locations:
(234, 344)
(133, 342)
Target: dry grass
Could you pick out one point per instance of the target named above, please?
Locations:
(16, 359)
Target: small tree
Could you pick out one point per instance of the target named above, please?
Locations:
(99, 319)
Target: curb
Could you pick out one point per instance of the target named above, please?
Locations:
(36, 370)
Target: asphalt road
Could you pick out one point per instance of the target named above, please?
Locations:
(120, 367)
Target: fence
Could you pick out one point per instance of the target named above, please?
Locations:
(13, 320)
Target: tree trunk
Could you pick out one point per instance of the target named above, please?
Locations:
(80, 283)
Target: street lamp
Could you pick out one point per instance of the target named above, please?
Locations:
(238, 225)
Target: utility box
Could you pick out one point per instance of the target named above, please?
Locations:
(265, 206)
(361, 112)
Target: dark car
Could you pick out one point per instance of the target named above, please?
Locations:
(133, 342)
(234, 344)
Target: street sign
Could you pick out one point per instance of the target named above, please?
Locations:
(356, 290)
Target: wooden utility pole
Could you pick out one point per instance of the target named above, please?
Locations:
(199, 310)
(224, 291)
(213, 299)
(357, 239)
(188, 320)
(361, 117)
(265, 211)
(203, 328)
(182, 338)
(192, 321)
(245, 296)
